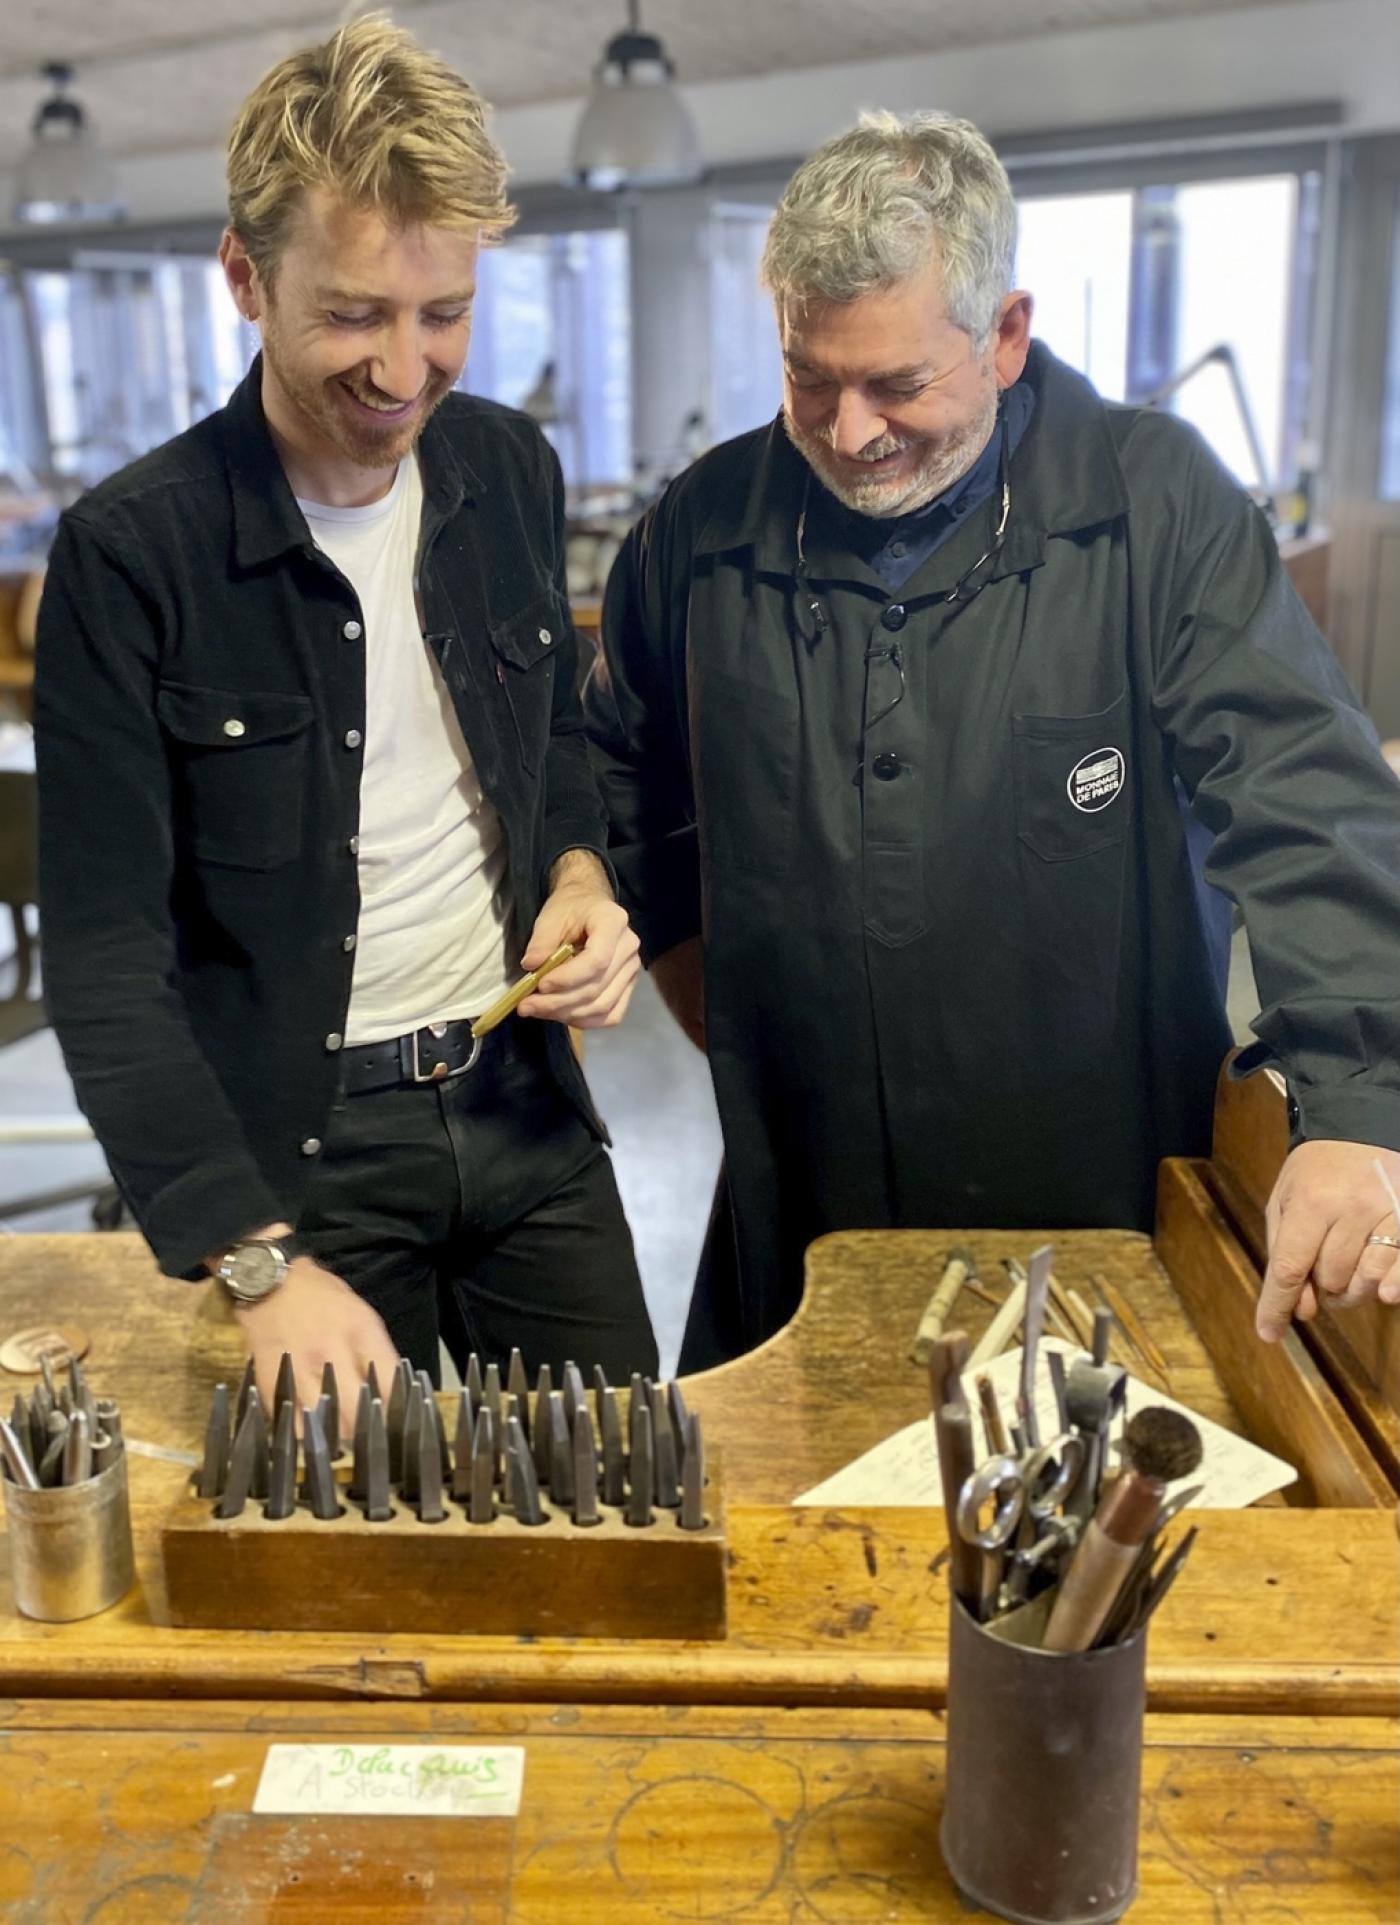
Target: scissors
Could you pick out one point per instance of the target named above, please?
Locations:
(1024, 1490)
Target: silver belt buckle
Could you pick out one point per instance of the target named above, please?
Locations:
(439, 1073)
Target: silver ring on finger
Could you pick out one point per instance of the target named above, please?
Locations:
(1391, 1243)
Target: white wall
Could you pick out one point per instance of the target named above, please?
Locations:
(1268, 56)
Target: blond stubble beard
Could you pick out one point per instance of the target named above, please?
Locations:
(364, 447)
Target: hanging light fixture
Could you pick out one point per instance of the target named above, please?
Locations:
(636, 130)
(64, 174)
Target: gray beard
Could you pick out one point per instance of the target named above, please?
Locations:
(943, 463)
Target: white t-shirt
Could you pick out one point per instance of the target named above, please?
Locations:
(434, 894)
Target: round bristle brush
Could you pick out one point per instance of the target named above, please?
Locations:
(1162, 1446)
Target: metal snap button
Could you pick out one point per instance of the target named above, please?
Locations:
(334, 1041)
(312, 1146)
(352, 631)
(234, 727)
(545, 637)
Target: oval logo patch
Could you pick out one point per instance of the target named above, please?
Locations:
(1096, 779)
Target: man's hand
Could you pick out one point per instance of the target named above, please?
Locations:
(1328, 1200)
(591, 990)
(316, 1317)
(679, 974)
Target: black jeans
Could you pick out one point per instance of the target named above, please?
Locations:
(484, 1212)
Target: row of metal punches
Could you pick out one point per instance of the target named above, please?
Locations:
(512, 1455)
(62, 1434)
(1046, 1548)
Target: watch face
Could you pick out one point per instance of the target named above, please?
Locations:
(255, 1268)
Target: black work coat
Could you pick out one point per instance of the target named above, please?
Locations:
(962, 967)
(199, 716)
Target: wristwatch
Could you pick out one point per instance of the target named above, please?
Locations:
(254, 1268)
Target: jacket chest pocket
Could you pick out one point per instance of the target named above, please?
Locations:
(1072, 781)
(238, 762)
(526, 647)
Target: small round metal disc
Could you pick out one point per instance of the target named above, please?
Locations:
(21, 1350)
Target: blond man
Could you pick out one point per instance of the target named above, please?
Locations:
(313, 786)
(932, 710)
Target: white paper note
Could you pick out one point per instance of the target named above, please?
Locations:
(904, 1469)
(395, 1781)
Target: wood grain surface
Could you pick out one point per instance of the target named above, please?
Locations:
(1359, 1349)
(1290, 1407)
(838, 1379)
(114, 1813)
(835, 1382)
(1276, 1610)
(554, 1579)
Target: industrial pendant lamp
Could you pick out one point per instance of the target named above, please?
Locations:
(64, 175)
(636, 130)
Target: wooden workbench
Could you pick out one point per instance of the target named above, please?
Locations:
(825, 1607)
(792, 1772)
(835, 1382)
(633, 1817)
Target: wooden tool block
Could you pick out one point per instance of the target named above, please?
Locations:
(503, 1579)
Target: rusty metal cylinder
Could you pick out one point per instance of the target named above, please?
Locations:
(1044, 1769)
(70, 1547)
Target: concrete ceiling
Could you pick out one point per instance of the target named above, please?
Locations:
(158, 77)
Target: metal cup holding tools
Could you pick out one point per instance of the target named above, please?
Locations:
(70, 1545)
(1044, 1765)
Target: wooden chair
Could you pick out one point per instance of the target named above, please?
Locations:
(21, 1013)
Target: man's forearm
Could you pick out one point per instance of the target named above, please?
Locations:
(581, 868)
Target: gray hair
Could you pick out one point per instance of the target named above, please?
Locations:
(878, 202)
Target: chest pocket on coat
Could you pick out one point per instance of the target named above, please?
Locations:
(526, 647)
(238, 762)
(1073, 781)
(1074, 784)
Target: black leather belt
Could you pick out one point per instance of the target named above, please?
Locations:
(428, 1055)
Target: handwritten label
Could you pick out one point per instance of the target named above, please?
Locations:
(397, 1781)
(904, 1469)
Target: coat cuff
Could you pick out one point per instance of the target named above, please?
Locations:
(205, 1211)
(1348, 1114)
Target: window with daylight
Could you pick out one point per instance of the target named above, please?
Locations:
(746, 380)
(1135, 287)
(124, 351)
(1075, 254)
(1388, 480)
(24, 453)
(552, 333)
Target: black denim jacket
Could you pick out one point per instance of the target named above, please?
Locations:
(200, 711)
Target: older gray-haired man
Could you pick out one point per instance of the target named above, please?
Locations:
(927, 716)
